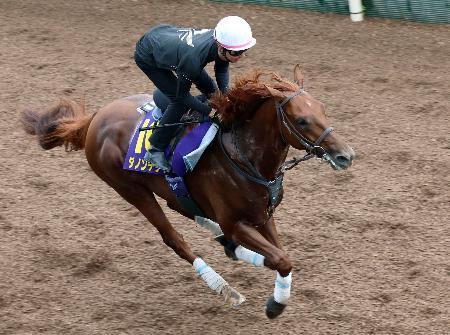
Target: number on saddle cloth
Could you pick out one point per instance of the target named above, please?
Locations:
(186, 154)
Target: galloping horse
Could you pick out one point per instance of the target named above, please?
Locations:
(238, 181)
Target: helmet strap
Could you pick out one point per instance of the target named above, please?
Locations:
(223, 52)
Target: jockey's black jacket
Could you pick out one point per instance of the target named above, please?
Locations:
(186, 51)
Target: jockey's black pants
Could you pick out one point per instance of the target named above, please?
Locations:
(170, 86)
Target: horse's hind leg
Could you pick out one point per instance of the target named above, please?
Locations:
(146, 203)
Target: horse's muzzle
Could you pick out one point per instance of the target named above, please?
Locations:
(341, 160)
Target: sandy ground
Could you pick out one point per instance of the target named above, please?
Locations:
(370, 246)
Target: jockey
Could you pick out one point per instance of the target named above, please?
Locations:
(173, 58)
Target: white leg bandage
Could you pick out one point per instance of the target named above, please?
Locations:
(282, 290)
(211, 277)
(249, 256)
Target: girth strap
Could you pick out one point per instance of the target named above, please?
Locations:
(179, 188)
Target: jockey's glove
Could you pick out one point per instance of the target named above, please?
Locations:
(202, 97)
(196, 104)
(205, 109)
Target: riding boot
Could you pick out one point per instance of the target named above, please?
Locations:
(157, 157)
(161, 136)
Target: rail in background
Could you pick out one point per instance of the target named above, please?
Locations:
(428, 11)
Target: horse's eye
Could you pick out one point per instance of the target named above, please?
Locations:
(302, 122)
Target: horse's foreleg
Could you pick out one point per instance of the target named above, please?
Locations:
(282, 291)
(254, 239)
(232, 250)
(265, 241)
(276, 303)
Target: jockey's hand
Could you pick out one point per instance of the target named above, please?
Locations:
(206, 116)
(202, 104)
(202, 97)
(203, 108)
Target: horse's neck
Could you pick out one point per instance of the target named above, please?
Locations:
(260, 141)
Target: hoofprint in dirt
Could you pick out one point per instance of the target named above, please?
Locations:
(369, 258)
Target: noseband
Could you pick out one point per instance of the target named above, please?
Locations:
(312, 148)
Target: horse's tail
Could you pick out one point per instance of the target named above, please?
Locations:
(64, 124)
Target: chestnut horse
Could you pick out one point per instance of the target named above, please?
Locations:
(238, 181)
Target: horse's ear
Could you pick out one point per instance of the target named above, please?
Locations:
(298, 75)
(274, 92)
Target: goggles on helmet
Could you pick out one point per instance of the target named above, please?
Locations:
(235, 53)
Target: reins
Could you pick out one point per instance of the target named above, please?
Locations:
(168, 125)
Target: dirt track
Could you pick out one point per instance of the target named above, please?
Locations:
(370, 246)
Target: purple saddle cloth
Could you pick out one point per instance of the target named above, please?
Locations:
(186, 154)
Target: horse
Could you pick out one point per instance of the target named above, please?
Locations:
(238, 181)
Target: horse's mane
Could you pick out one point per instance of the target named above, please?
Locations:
(247, 94)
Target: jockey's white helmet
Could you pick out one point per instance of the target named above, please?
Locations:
(234, 33)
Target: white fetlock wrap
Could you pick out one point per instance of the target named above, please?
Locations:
(249, 256)
(282, 290)
(211, 277)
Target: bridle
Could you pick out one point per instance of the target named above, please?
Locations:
(313, 149)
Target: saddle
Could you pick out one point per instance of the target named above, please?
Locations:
(183, 152)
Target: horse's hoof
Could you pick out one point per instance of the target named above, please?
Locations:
(232, 297)
(273, 308)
